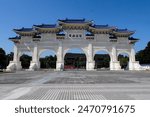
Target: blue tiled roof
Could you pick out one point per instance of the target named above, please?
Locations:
(103, 26)
(131, 38)
(123, 30)
(74, 20)
(89, 34)
(24, 29)
(17, 37)
(60, 34)
(46, 26)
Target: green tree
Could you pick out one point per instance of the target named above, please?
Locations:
(143, 56)
(25, 61)
(48, 62)
(2, 59)
(124, 60)
(9, 57)
(102, 61)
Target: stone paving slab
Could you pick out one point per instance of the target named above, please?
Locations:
(75, 85)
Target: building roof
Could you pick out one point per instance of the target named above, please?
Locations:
(24, 29)
(75, 24)
(124, 31)
(46, 26)
(89, 34)
(131, 38)
(103, 27)
(74, 20)
(60, 34)
(17, 37)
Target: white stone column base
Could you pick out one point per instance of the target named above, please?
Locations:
(115, 65)
(13, 66)
(34, 66)
(59, 66)
(90, 66)
(134, 66)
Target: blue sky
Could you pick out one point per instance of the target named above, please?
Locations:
(131, 14)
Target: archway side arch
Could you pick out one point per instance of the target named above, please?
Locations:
(124, 52)
(102, 58)
(124, 58)
(25, 57)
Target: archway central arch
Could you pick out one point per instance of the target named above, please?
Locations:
(47, 59)
(75, 58)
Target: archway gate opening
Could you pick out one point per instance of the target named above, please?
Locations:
(102, 60)
(47, 59)
(123, 58)
(75, 59)
(70, 33)
(25, 59)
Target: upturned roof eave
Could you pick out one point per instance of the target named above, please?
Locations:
(19, 31)
(128, 33)
(74, 23)
(111, 28)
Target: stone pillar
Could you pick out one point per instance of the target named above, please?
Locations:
(60, 61)
(132, 56)
(133, 64)
(34, 65)
(90, 63)
(114, 63)
(15, 64)
(16, 54)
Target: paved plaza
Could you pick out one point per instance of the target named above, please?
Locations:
(75, 85)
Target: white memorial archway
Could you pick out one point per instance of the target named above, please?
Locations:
(73, 33)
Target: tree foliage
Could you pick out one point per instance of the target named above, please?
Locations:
(124, 60)
(2, 59)
(25, 61)
(102, 61)
(48, 62)
(143, 56)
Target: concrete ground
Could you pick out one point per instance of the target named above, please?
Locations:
(75, 85)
